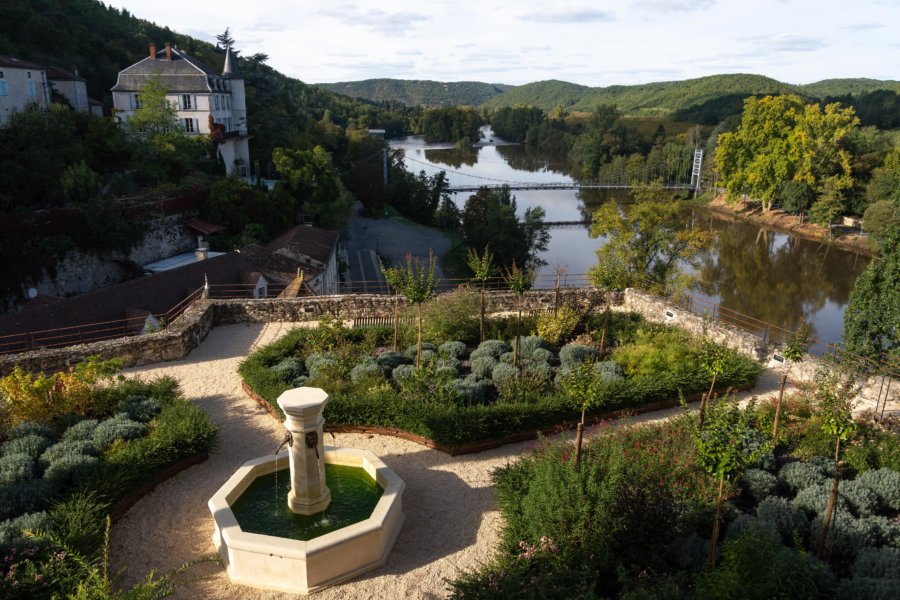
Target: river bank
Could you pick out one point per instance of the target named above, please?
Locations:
(776, 219)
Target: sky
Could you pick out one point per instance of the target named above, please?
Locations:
(594, 43)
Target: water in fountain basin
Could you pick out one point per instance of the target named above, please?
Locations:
(263, 509)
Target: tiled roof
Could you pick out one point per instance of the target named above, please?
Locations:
(183, 73)
(11, 62)
(157, 294)
(204, 227)
(277, 267)
(314, 242)
(56, 74)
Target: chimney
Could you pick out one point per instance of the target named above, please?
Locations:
(201, 253)
(153, 51)
(168, 51)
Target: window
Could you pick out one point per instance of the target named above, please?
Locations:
(32, 92)
(186, 103)
(29, 74)
(4, 89)
(189, 126)
(136, 102)
(216, 101)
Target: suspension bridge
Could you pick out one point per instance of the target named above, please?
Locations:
(681, 175)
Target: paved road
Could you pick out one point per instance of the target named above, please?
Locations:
(392, 239)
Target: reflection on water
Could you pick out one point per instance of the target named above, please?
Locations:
(764, 274)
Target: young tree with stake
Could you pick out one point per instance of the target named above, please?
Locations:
(519, 281)
(415, 280)
(583, 384)
(483, 269)
(795, 346)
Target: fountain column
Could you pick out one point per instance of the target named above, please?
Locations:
(303, 408)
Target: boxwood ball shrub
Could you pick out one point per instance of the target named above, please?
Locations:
(502, 373)
(508, 357)
(885, 483)
(68, 447)
(493, 348)
(541, 355)
(863, 501)
(741, 525)
(448, 363)
(320, 362)
(12, 531)
(15, 468)
(26, 428)
(31, 444)
(572, 354)
(783, 517)
(289, 368)
(24, 496)
(118, 427)
(366, 370)
(399, 374)
(801, 475)
(814, 500)
(410, 351)
(452, 349)
(390, 360)
(540, 370)
(482, 366)
(758, 484)
(141, 409)
(877, 563)
(69, 469)
(530, 343)
(610, 370)
(847, 536)
(885, 531)
(82, 430)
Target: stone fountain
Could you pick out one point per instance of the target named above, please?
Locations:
(319, 555)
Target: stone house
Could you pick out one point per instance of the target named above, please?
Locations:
(207, 103)
(317, 250)
(21, 83)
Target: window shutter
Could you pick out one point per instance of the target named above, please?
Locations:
(197, 125)
(194, 102)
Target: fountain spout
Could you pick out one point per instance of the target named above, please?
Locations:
(287, 441)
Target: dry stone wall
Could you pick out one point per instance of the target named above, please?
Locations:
(187, 332)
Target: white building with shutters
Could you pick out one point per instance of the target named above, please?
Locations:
(206, 102)
(22, 83)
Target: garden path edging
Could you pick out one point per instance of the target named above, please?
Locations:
(121, 508)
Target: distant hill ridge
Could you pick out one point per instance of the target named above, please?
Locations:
(657, 98)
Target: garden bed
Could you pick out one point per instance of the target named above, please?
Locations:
(470, 397)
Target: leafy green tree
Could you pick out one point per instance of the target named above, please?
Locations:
(584, 385)
(489, 217)
(782, 139)
(828, 206)
(393, 278)
(483, 269)
(879, 218)
(796, 345)
(713, 359)
(872, 317)
(519, 281)
(835, 394)
(311, 177)
(885, 181)
(607, 135)
(155, 115)
(415, 280)
(725, 446)
(796, 197)
(647, 241)
(80, 184)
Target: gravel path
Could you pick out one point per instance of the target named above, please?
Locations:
(451, 524)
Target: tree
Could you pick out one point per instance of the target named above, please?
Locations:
(725, 446)
(835, 393)
(712, 359)
(80, 184)
(872, 317)
(155, 115)
(796, 197)
(880, 217)
(796, 344)
(885, 182)
(225, 41)
(828, 206)
(584, 385)
(519, 281)
(782, 139)
(393, 278)
(645, 242)
(311, 177)
(415, 280)
(483, 269)
(489, 217)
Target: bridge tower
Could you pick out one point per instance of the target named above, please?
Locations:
(696, 169)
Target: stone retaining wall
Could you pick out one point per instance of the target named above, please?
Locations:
(188, 331)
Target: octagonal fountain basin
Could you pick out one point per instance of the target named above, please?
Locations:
(265, 544)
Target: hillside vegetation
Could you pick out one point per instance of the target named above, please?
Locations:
(419, 93)
(718, 95)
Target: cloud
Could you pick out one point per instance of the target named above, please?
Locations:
(674, 5)
(856, 27)
(394, 24)
(575, 15)
(269, 26)
(766, 45)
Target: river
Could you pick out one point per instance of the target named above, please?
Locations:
(768, 275)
